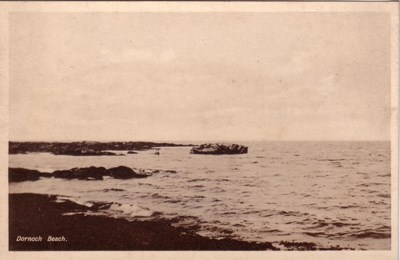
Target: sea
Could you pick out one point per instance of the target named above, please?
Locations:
(328, 193)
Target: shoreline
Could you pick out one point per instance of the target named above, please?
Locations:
(34, 215)
(34, 219)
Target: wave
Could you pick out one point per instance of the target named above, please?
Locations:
(369, 184)
(330, 160)
(350, 206)
(270, 231)
(78, 201)
(158, 196)
(251, 212)
(197, 186)
(315, 234)
(222, 179)
(292, 213)
(382, 232)
(112, 189)
(129, 210)
(110, 209)
(372, 234)
(383, 195)
(198, 179)
(174, 201)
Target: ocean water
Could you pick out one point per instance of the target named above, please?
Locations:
(329, 193)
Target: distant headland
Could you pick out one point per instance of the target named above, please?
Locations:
(84, 148)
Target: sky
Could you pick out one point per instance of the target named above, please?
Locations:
(199, 76)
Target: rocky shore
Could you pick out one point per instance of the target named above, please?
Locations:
(39, 217)
(84, 148)
(41, 222)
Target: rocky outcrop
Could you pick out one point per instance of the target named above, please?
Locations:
(21, 174)
(122, 172)
(89, 173)
(86, 173)
(48, 216)
(84, 148)
(84, 152)
(219, 149)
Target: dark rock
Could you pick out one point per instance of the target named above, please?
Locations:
(84, 152)
(219, 149)
(20, 174)
(90, 173)
(84, 148)
(40, 214)
(132, 152)
(122, 172)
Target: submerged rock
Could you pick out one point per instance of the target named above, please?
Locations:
(219, 149)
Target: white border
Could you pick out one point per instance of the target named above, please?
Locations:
(7, 7)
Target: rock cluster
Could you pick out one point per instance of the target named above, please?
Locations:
(87, 173)
(84, 148)
(219, 149)
(85, 152)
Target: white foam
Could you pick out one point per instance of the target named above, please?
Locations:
(130, 210)
(75, 200)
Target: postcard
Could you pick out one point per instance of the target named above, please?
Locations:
(168, 130)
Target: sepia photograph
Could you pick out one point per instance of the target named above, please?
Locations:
(229, 130)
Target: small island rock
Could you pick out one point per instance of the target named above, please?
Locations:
(219, 149)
